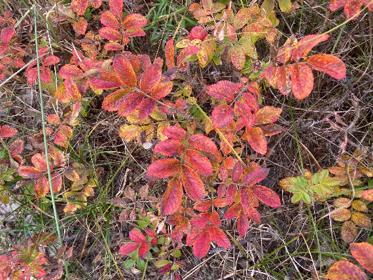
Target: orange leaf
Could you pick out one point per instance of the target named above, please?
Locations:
(41, 187)
(172, 198)
(367, 195)
(363, 253)
(109, 20)
(301, 80)
(109, 33)
(164, 168)
(267, 115)
(170, 54)
(256, 139)
(63, 135)
(306, 44)
(341, 214)
(344, 270)
(125, 71)
(80, 26)
(7, 131)
(328, 64)
(113, 101)
(150, 78)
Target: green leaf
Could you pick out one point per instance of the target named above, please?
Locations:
(128, 264)
(285, 6)
(318, 187)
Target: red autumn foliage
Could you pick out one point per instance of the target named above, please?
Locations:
(118, 29)
(206, 229)
(46, 61)
(192, 162)
(139, 85)
(37, 172)
(351, 8)
(295, 72)
(139, 242)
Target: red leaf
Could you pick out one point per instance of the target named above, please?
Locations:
(79, 6)
(109, 20)
(242, 224)
(198, 162)
(7, 34)
(306, 44)
(218, 236)
(301, 80)
(267, 196)
(352, 8)
(38, 160)
(344, 270)
(336, 4)
(169, 147)
(150, 78)
(222, 115)
(233, 212)
(56, 182)
(63, 135)
(256, 176)
(127, 248)
(16, 147)
(29, 172)
(224, 90)
(172, 198)
(204, 144)
(256, 139)
(193, 184)
(197, 32)
(130, 103)
(144, 249)
(164, 168)
(134, 24)
(109, 33)
(328, 64)
(116, 7)
(107, 80)
(201, 244)
(125, 71)
(7, 131)
(169, 51)
(137, 236)
(174, 132)
(70, 71)
(363, 253)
